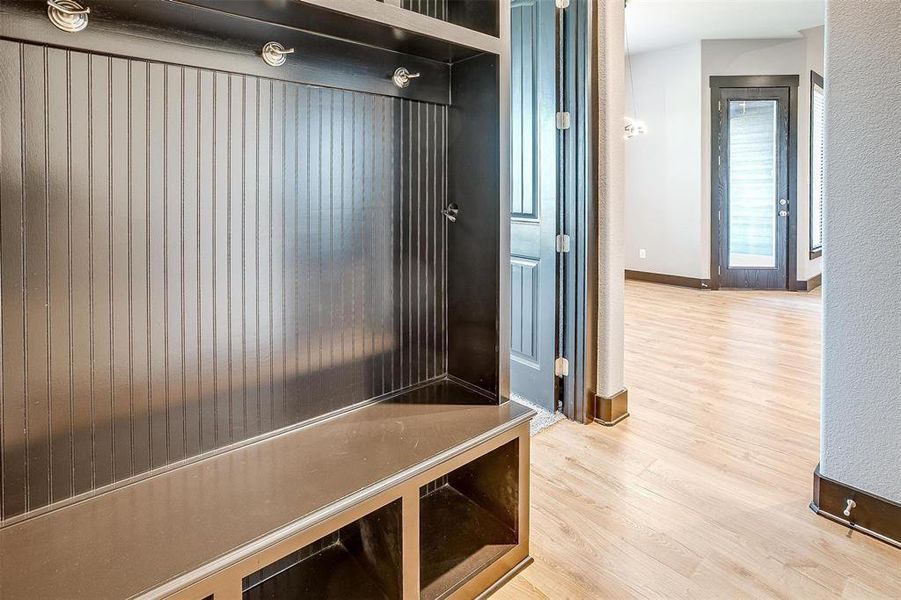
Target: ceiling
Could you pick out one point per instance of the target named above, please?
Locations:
(654, 24)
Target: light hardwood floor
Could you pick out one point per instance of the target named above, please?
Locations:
(703, 492)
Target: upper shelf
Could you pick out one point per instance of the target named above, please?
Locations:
(369, 22)
(134, 538)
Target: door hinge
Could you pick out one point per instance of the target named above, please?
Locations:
(562, 3)
(562, 243)
(719, 270)
(719, 105)
(563, 120)
(561, 367)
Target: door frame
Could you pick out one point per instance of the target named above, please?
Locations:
(578, 268)
(717, 84)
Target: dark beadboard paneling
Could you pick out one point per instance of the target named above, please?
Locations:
(431, 8)
(191, 258)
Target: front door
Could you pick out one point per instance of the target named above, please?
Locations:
(751, 194)
(533, 201)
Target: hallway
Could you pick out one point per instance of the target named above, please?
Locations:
(704, 490)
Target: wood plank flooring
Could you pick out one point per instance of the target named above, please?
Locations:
(703, 492)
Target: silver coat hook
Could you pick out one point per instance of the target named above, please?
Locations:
(849, 506)
(451, 212)
(68, 15)
(402, 77)
(275, 54)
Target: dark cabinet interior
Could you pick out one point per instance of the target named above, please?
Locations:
(473, 14)
(362, 560)
(468, 519)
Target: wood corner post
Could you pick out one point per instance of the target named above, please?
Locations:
(610, 410)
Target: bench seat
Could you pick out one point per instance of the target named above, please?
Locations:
(219, 510)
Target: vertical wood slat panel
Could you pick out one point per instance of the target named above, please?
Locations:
(59, 272)
(37, 293)
(13, 391)
(99, 165)
(139, 258)
(191, 258)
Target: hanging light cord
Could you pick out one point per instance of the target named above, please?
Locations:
(629, 61)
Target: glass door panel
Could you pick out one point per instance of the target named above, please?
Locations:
(753, 184)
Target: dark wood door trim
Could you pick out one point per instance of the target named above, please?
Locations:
(815, 80)
(717, 84)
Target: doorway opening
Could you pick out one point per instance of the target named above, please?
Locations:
(693, 69)
(551, 237)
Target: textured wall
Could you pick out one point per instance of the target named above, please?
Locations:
(611, 196)
(191, 258)
(861, 414)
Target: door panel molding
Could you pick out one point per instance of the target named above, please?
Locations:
(525, 282)
(720, 85)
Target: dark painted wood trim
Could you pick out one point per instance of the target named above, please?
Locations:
(612, 410)
(811, 284)
(871, 515)
(718, 82)
(205, 38)
(751, 81)
(793, 182)
(679, 280)
(815, 79)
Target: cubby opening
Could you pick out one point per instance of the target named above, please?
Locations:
(477, 15)
(468, 519)
(360, 560)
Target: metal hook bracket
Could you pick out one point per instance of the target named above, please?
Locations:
(68, 15)
(451, 212)
(402, 77)
(274, 54)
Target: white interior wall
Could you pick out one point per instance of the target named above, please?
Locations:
(861, 410)
(668, 169)
(816, 51)
(663, 167)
